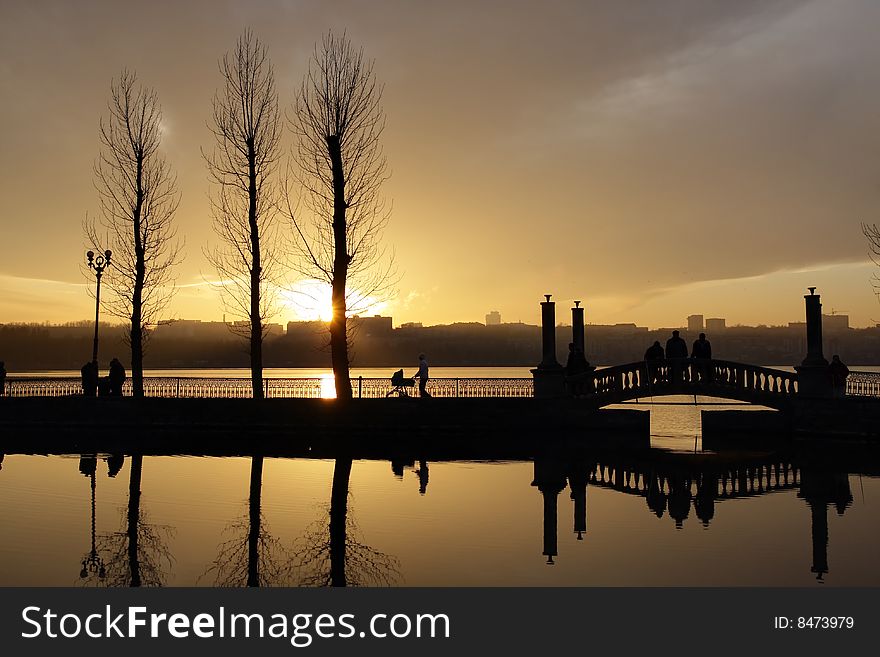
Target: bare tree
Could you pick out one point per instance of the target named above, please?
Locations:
(138, 554)
(332, 553)
(247, 130)
(139, 197)
(252, 556)
(872, 232)
(340, 168)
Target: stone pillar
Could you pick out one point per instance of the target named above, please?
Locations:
(814, 330)
(813, 377)
(549, 376)
(548, 334)
(550, 480)
(577, 326)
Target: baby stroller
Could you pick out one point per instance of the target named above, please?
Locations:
(400, 384)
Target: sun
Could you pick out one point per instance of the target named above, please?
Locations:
(310, 300)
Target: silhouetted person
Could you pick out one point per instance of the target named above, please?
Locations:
(422, 376)
(676, 352)
(398, 464)
(89, 373)
(702, 351)
(838, 373)
(2, 378)
(655, 497)
(422, 472)
(655, 352)
(575, 368)
(114, 464)
(679, 503)
(117, 378)
(653, 355)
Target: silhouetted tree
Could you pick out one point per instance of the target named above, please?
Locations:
(331, 552)
(138, 554)
(247, 130)
(252, 557)
(872, 232)
(340, 169)
(139, 197)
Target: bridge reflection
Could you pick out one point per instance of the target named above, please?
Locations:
(332, 552)
(675, 484)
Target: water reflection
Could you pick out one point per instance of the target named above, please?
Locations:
(253, 556)
(92, 564)
(821, 490)
(682, 492)
(332, 552)
(673, 484)
(137, 554)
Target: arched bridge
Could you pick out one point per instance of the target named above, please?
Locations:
(711, 378)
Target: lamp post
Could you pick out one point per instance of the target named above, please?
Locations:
(92, 564)
(99, 263)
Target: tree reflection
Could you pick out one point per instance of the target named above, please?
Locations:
(338, 557)
(138, 554)
(252, 556)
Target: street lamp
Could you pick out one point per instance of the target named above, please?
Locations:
(99, 264)
(92, 564)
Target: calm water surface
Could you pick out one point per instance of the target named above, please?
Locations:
(317, 522)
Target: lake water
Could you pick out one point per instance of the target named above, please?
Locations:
(674, 518)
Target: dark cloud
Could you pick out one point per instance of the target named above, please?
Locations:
(595, 145)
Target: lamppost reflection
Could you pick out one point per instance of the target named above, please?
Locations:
(92, 564)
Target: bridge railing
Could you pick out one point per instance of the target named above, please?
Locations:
(633, 380)
(645, 378)
(274, 388)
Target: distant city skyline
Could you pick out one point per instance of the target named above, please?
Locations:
(653, 160)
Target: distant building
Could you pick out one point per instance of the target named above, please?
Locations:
(716, 324)
(493, 318)
(835, 322)
(411, 325)
(695, 323)
(178, 329)
(371, 326)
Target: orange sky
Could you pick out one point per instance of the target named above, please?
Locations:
(654, 159)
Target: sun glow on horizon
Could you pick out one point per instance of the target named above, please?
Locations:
(311, 300)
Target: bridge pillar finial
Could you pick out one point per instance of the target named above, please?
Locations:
(549, 377)
(813, 379)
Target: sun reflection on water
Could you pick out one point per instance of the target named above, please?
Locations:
(328, 387)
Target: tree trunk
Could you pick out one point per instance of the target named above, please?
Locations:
(341, 260)
(254, 516)
(338, 518)
(134, 512)
(255, 317)
(137, 297)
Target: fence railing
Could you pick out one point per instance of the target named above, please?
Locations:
(863, 384)
(275, 388)
(858, 384)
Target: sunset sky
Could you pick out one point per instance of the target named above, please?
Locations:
(653, 159)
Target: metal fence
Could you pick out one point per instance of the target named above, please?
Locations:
(858, 384)
(275, 388)
(863, 384)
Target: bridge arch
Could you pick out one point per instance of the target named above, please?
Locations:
(712, 378)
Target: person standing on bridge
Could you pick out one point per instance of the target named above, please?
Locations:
(676, 352)
(701, 353)
(653, 356)
(422, 376)
(838, 373)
